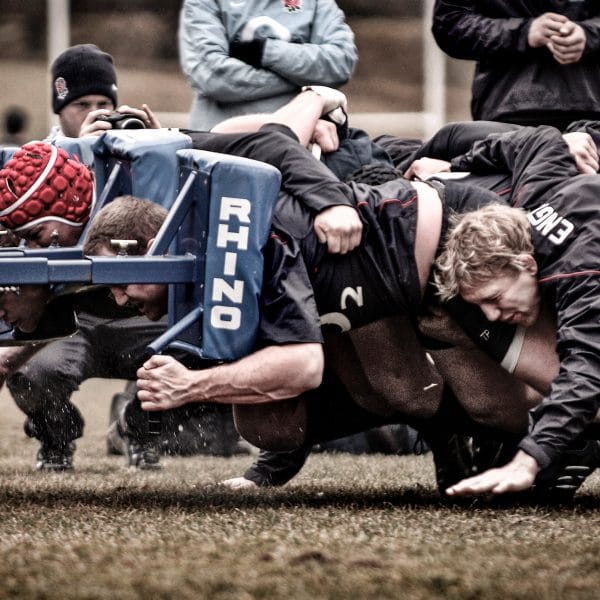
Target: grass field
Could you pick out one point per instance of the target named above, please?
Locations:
(346, 528)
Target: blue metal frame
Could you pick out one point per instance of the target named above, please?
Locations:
(191, 235)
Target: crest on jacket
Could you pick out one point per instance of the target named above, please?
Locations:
(292, 5)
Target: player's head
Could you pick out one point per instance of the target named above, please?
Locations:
(45, 195)
(130, 218)
(488, 260)
(125, 218)
(83, 79)
(23, 306)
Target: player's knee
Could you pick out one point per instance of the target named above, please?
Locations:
(45, 370)
(24, 392)
(274, 426)
(265, 439)
(498, 412)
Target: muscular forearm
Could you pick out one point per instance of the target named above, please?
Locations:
(256, 380)
(300, 115)
(268, 375)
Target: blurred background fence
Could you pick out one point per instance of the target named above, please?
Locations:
(402, 85)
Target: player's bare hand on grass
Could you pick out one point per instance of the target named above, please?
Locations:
(163, 383)
(340, 228)
(518, 475)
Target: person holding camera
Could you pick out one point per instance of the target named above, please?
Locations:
(84, 95)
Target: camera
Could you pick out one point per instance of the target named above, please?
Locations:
(122, 120)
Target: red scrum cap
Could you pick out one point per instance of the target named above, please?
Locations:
(42, 183)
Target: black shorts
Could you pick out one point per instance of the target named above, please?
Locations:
(502, 341)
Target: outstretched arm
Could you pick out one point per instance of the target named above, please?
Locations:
(537, 158)
(267, 375)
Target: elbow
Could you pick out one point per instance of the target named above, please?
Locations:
(342, 79)
(441, 41)
(444, 39)
(342, 71)
(217, 82)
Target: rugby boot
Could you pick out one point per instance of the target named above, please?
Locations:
(559, 483)
(115, 439)
(452, 457)
(116, 442)
(55, 458)
(143, 455)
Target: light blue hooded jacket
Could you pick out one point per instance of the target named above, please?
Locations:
(307, 42)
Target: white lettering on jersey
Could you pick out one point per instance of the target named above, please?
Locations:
(338, 318)
(550, 224)
(355, 294)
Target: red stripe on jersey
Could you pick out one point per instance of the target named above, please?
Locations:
(274, 236)
(403, 203)
(567, 275)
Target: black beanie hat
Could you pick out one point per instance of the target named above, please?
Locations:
(82, 70)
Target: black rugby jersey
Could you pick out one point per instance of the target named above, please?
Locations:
(377, 279)
(380, 277)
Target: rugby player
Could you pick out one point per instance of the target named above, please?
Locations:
(351, 291)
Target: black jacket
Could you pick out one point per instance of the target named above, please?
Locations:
(514, 82)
